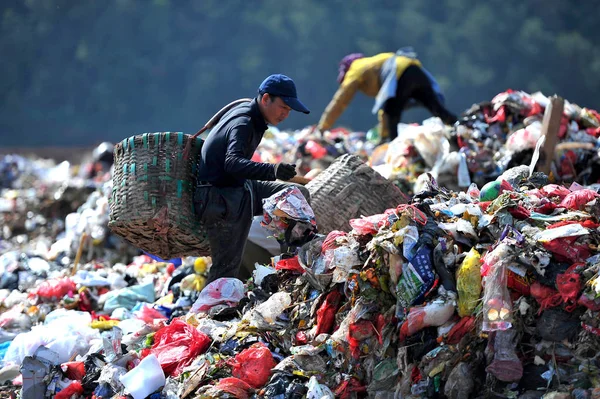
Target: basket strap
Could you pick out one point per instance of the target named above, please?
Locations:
(212, 122)
(216, 117)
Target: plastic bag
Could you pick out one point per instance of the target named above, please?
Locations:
(148, 314)
(497, 305)
(73, 370)
(177, 344)
(268, 311)
(557, 325)
(554, 190)
(288, 216)
(253, 365)
(223, 290)
(74, 388)
(370, 224)
(234, 386)
(577, 200)
(260, 272)
(327, 311)
(330, 240)
(524, 139)
(144, 378)
(129, 297)
(318, 391)
(291, 264)
(433, 314)
(56, 289)
(468, 284)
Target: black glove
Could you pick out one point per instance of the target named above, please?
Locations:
(285, 171)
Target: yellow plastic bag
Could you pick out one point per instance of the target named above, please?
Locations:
(468, 284)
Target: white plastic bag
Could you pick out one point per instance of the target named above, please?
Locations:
(225, 290)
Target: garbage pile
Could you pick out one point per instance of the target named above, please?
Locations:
(311, 153)
(456, 294)
(488, 139)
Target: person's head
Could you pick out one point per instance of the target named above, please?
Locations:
(345, 65)
(277, 97)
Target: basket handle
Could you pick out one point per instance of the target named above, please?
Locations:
(212, 122)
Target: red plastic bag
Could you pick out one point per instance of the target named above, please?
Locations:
(290, 264)
(371, 224)
(327, 311)
(329, 242)
(459, 330)
(576, 200)
(357, 333)
(56, 289)
(253, 365)
(149, 314)
(316, 150)
(177, 344)
(541, 292)
(74, 388)
(73, 370)
(565, 249)
(347, 387)
(554, 190)
(234, 386)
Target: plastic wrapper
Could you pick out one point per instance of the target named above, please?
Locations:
(497, 305)
(469, 283)
(111, 342)
(177, 344)
(416, 279)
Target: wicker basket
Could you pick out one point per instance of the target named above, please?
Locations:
(349, 189)
(151, 202)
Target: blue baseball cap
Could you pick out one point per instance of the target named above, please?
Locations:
(282, 86)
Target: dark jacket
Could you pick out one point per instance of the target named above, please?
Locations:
(226, 153)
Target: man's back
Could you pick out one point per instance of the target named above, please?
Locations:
(225, 155)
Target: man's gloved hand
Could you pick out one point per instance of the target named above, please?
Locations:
(285, 171)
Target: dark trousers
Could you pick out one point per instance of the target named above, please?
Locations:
(226, 213)
(414, 84)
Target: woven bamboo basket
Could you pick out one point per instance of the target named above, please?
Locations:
(151, 203)
(349, 189)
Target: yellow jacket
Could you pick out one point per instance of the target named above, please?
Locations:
(363, 75)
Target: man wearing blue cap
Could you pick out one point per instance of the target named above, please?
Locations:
(230, 186)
